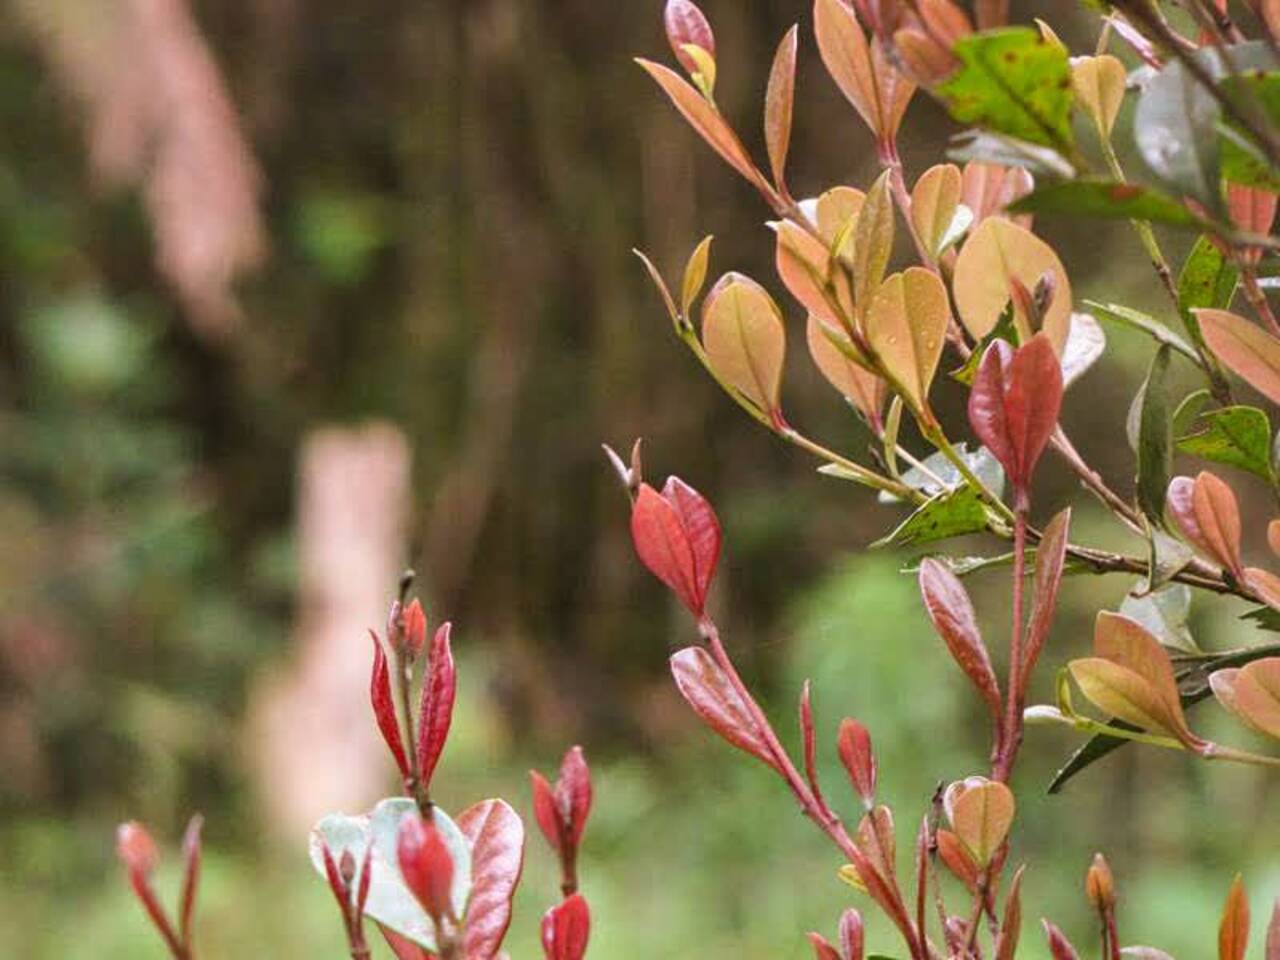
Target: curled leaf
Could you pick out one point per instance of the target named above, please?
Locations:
(695, 275)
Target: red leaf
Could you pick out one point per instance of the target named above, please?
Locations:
(822, 950)
(1233, 933)
(435, 708)
(810, 741)
(565, 929)
(778, 100)
(702, 529)
(1273, 934)
(851, 934)
(1014, 405)
(573, 793)
(1011, 925)
(403, 947)
(1050, 558)
(496, 838)
(854, 747)
(135, 848)
(1059, 947)
(1218, 518)
(415, 628)
(190, 875)
(955, 855)
(544, 809)
(426, 865)
(384, 708)
(713, 697)
(952, 614)
(685, 23)
(663, 546)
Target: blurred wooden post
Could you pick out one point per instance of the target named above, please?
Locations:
(314, 747)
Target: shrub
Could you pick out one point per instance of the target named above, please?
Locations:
(996, 300)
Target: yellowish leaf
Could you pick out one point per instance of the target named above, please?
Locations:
(1233, 932)
(872, 242)
(837, 214)
(933, 204)
(704, 118)
(845, 52)
(695, 274)
(1252, 693)
(1249, 352)
(996, 253)
(1120, 692)
(1127, 644)
(778, 100)
(989, 188)
(1099, 85)
(744, 338)
(906, 325)
(705, 75)
(860, 386)
(805, 267)
(1218, 518)
(981, 812)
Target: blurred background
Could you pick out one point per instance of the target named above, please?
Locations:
(297, 294)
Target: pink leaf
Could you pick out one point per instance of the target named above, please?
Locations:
(713, 697)
(384, 708)
(854, 747)
(952, 614)
(685, 23)
(565, 929)
(702, 530)
(496, 837)
(663, 546)
(435, 710)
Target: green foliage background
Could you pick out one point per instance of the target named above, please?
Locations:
(452, 192)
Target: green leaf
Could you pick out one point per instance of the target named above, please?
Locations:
(1193, 687)
(390, 902)
(1208, 279)
(1237, 436)
(1006, 329)
(947, 514)
(1163, 613)
(1189, 410)
(978, 146)
(1155, 438)
(1175, 126)
(1137, 320)
(1166, 556)
(1106, 199)
(939, 468)
(1013, 82)
(1242, 162)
